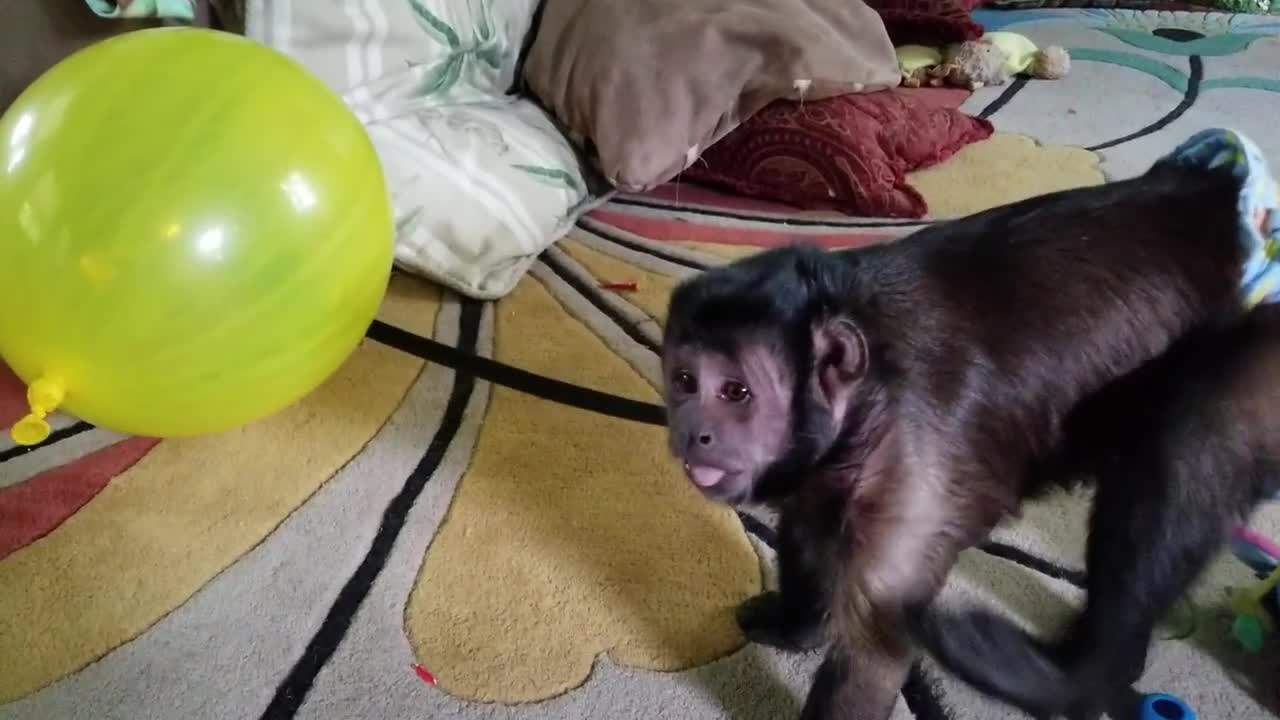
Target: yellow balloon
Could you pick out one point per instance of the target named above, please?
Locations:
(195, 232)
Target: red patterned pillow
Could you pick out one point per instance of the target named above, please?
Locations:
(850, 153)
(928, 22)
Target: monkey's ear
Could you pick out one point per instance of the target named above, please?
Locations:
(840, 352)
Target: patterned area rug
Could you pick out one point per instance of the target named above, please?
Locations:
(526, 544)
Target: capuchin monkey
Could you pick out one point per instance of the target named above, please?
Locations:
(1179, 451)
(895, 403)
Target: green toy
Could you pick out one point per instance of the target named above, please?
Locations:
(1248, 7)
(1253, 621)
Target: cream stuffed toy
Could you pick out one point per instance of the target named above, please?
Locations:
(990, 60)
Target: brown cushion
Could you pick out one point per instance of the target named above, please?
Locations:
(651, 83)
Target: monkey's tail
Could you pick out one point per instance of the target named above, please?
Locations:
(999, 659)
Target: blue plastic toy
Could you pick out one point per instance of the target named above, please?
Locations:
(1159, 706)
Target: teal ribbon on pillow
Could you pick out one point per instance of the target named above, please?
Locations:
(173, 9)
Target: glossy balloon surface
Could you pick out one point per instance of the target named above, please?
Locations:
(194, 232)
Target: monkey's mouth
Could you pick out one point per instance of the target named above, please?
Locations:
(718, 484)
(705, 476)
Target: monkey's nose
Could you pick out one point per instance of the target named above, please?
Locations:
(704, 439)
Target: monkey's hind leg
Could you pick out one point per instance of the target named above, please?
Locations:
(1154, 527)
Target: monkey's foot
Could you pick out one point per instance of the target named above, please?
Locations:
(768, 620)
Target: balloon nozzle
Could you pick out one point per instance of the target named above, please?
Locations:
(43, 397)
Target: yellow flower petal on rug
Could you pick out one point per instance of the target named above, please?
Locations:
(162, 529)
(571, 535)
(1003, 169)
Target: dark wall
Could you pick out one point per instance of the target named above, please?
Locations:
(36, 34)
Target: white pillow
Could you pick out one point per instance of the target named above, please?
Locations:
(481, 181)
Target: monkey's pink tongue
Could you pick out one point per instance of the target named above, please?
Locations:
(704, 475)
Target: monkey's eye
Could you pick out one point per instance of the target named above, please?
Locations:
(685, 382)
(735, 392)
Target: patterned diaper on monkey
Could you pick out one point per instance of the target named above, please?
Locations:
(1258, 204)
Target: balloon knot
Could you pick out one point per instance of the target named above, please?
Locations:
(43, 396)
(30, 430)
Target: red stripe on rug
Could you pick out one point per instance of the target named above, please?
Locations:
(668, 230)
(13, 397)
(32, 509)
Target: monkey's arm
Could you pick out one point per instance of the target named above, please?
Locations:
(907, 529)
(791, 617)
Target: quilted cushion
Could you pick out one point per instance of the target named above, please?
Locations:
(481, 181)
(849, 153)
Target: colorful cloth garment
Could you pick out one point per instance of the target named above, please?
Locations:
(173, 9)
(1258, 204)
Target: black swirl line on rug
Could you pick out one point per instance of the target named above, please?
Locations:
(761, 529)
(601, 230)
(1003, 98)
(293, 690)
(1021, 557)
(515, 378)
(1189, 97)
(55, 437)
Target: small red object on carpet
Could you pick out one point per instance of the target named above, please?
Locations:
(424, 674)
(629, 285)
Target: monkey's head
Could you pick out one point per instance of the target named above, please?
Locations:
(762, 369)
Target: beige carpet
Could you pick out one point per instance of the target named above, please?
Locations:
(533, 549)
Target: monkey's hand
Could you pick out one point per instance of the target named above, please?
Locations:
(768, 619)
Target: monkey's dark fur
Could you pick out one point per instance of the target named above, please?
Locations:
(1180, 450)
(895, 403)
